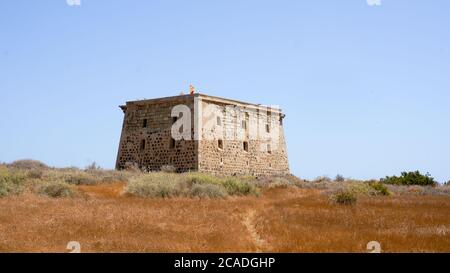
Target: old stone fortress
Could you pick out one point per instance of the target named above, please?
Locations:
(197, 132)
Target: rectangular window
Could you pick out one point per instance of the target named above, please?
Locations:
(142, 144)
(268, 128)
(219, 121)
(245, 121)
(144, 123)
(220, 144)
(245, 146)
(172, 143)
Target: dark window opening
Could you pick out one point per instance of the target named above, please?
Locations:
(246, 146)
(220, 144)
(268, 128)
(174, 119)
(144, 123)
(281, 121)
(172, 143)
(142, 144)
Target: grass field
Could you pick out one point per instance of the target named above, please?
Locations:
(44, 208)
(279, 219)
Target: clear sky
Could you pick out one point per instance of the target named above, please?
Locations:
(366, 89)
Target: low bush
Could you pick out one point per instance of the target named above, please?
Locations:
(379, 188)
(11, 181)
(237, 187)
(323, 178)
(344, 198)
(410, 178)
(419, 190)
(208, 190)
(80, 178)
(358, 188)
(272, 181)
(56, 189)
(156, 185)
(339, 178)
(194, 184)
(109, 176)
(202, 178)
(233, 185)
(35, 173)
(28, 164)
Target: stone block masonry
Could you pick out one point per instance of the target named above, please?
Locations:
(224, 137)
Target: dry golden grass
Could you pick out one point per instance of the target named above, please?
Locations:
(280, 220)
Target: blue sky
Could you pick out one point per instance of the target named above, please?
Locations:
(366, 89)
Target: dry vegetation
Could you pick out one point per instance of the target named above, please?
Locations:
(108, 211)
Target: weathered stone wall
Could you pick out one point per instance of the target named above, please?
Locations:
(222, 150)
(158, 150)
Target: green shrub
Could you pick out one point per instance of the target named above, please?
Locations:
(236, 187)
(410, 178)
(202, 178)
(194, 184)
(80, 178)
(344, 197)
(380, 188)
(56, 189)
(358, 188)
(11, 182)
(35, 173)
(279, 182)
(157, 185)
(339, 178)
(208, 190)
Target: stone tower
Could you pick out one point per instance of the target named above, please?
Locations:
(203, 133)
